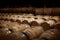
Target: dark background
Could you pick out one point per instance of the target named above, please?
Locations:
(26, 3)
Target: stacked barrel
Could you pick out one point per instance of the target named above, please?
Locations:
(33, 10)
(27, 26)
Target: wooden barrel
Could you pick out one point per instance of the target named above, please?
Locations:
(57, 26)
(12, 20)
(52, 34)
(57, 18)
(47, 17)
(34, 23)
(39, 21)
(33, 32)
(18, 21)
(25, 22)
(12, 36)
(51, 22)
(4, 31)
(45, 26)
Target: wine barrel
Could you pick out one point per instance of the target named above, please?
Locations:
(33, 32)
(13, 36)
(47, 17)
(57, 26)
(34, 23)
(39, 21)
(57, 18)
(45, 26)
(4, 31)
(18, 21)
(51, 22)
(25, 22)
(52, 34)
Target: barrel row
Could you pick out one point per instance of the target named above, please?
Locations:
(28, 17)
(11, 30)
(47, 11)
(25, 32)
(39, 22)
(10, 24)
(17, 10)
(35, 11)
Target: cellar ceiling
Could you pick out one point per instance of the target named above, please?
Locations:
(27, 3)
